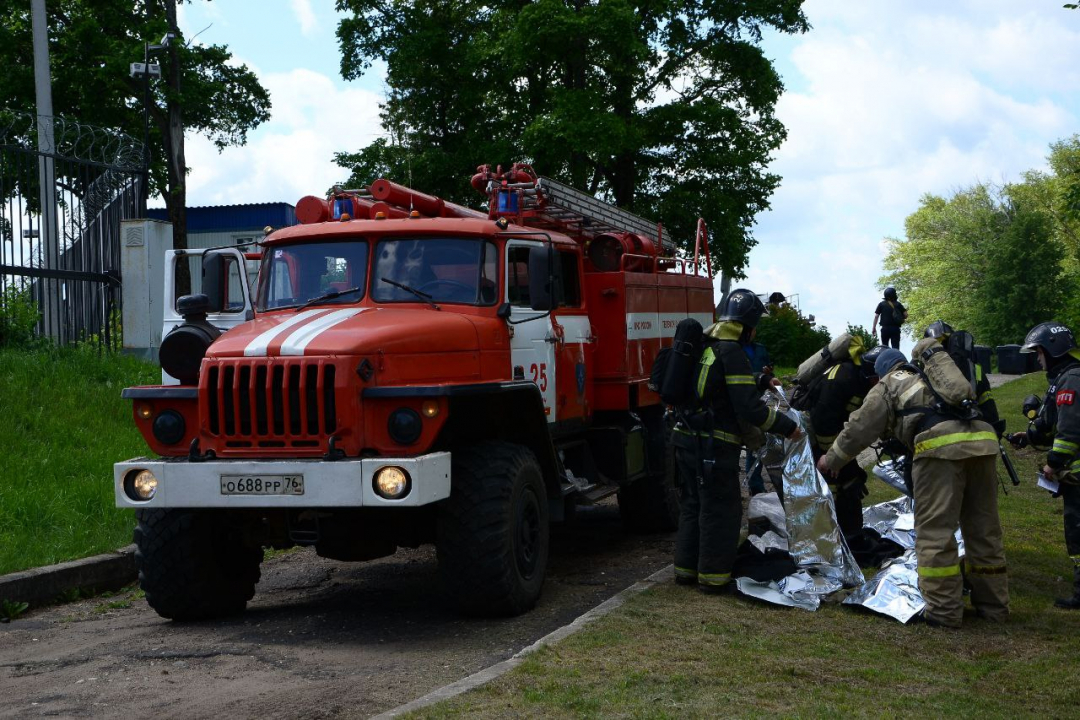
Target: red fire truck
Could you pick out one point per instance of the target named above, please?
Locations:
(411, 371)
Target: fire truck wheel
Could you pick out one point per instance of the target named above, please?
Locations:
(493, 530)
(193, 565)
(651, 504)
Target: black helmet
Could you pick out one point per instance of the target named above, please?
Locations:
(741, 306)
(869, 358)
(938, 329)
(1054, 338)
(890, 293)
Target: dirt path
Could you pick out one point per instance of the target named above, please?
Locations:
(320, 639)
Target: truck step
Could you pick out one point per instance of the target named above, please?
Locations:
(596, 494)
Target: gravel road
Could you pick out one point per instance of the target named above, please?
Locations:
(320, 638)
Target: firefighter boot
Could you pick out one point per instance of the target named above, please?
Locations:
(1072, 603)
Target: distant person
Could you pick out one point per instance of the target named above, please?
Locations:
(759, 363)
(892, 315)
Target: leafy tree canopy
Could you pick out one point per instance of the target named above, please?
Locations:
(789, 337)
(665, 108)
(91, 45)
(993, 261)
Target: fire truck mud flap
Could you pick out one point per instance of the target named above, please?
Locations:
(361, 482)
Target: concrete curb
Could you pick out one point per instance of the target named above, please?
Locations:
(488, 674)
(44, 585)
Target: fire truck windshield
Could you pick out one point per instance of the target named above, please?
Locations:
(448, 270)
(296, 274)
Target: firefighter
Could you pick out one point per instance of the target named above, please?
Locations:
(1057, 427)
(842, 391)
(892, 315)
(955, 484)
(708, 444)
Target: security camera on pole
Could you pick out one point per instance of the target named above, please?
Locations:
(146, 70)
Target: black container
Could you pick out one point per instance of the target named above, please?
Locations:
(1010, 361)
(982, 356)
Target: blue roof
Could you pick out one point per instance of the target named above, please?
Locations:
(233, 218)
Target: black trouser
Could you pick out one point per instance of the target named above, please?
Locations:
(848, 489)
(710, 516)
(1070, 493)
(890, 333)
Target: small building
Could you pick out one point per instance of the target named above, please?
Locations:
(222, 225)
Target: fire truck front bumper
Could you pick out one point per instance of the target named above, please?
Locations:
(366, 482)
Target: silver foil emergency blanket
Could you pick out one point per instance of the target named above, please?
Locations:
(893, 520)
(895, 590)
(814, 540)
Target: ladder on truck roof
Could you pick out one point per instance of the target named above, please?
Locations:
(568, 209)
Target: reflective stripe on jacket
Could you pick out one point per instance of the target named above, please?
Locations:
(881, 416)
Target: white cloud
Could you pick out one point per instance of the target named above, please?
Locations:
(889, 104)
(305, 16)
(291, 156)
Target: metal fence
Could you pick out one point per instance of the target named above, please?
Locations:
(64, 188)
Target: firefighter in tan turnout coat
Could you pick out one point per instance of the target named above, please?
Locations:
(955, 485)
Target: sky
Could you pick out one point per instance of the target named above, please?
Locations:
(884, 103)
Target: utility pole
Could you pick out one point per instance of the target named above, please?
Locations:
(48, 232)
(177, 202)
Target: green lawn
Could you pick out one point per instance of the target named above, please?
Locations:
(62, 426)
(672, 652)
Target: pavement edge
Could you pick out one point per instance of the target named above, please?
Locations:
(43, 585)
(488, 674)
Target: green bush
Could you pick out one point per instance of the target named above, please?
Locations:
(789, 337)
(869, 340)
(18, 318)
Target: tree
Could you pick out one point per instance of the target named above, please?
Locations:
(985, 260)
(869, 340)
(789, 337)
(91, 45)
(1024, 284)
(664, 108)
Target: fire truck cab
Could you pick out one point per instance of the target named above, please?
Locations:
(411, 371)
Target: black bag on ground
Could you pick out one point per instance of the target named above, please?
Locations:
(773, 564)
(673, 371)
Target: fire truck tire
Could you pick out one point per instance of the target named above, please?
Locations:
(493, 533)
(192, 565)
(652, 503)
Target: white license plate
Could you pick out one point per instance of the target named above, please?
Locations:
(262, 484)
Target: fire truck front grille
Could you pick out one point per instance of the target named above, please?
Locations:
(259, 399)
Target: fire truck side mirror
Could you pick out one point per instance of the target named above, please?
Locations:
(540, 281)
(215, 279)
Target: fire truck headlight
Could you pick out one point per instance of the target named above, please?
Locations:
(140, 485)
(391, 482)
(169, 427)
(404, 426)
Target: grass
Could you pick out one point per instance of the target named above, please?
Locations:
(672, 652)
(63, 425)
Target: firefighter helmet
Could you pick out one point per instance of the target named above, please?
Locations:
(1054, 338)
(890, 293)
(741, 306)
(938, 329)
(869, 358)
